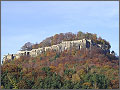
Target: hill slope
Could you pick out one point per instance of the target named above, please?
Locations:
(70, 69)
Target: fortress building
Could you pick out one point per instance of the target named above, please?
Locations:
(64, 45)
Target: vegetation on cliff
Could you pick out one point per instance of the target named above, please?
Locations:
(70, 69)
(58, 38)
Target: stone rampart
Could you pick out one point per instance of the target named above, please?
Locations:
(64, 45)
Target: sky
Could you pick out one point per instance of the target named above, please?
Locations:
(33, 21)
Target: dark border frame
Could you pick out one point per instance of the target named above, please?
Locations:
(60, 0)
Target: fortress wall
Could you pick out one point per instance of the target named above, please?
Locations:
(33, 52)
(16, 56)
(47, 48)
(64, 45)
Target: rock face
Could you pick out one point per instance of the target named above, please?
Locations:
(64, 45)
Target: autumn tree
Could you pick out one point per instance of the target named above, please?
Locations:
(27, 46)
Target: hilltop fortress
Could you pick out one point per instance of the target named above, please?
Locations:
(64, 45)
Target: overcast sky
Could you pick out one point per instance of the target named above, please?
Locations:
(33, 21)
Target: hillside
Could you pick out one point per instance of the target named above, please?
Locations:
(70, 69)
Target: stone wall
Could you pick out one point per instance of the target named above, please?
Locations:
(64, 45)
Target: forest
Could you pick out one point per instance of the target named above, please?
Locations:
(70, 69)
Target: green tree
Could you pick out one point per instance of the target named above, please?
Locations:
(98, 81)
(67, 84)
